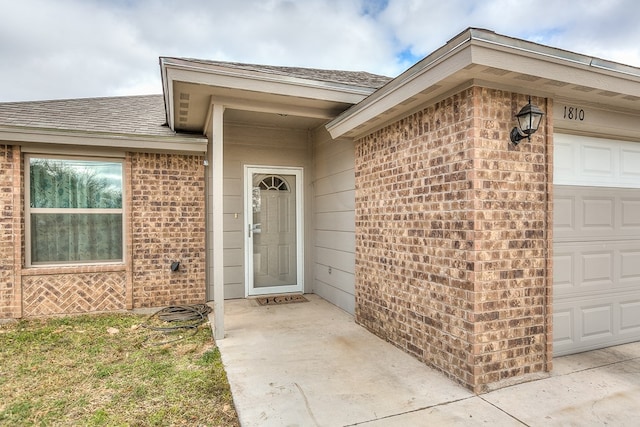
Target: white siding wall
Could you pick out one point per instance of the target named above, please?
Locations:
(334, 220)
(258, 146)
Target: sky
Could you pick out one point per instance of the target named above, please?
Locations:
(59, 49)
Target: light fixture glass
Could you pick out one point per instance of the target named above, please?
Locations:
(529, 119)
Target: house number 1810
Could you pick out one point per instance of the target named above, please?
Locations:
(573, 113)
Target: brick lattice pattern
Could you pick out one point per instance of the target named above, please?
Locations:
(73, 293)
(167, 224)
(453, 238)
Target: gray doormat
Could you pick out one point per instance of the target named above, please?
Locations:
(281, 299)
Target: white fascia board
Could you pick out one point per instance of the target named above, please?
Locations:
(167, 92)
(276, 84)
(526, 57)
(400, 89)
(481, 47)
(130, 142)
(524, 48)
(272, 107)
(558, 69)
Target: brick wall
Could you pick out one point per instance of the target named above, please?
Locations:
(9, 231)
(165, 209)
(452, 242)
(167, 200)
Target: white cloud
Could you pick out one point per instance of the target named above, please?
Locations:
(79, 48)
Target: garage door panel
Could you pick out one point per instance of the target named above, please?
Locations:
(630, 165)
(564, 155)
(598, 214)
(630, 317)
(596, 243)
(563, 326)
(630, 266)
(564, 213)
(597, 322)
(583, 324)
(563, 271)
(630, 214)
(595, 268)
(567, 328)
(596, 160)
(627, 267)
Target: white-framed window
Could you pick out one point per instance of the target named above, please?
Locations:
(73, 210)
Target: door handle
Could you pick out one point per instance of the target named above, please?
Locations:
(254, 229)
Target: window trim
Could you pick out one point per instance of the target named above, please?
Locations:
(28, 210)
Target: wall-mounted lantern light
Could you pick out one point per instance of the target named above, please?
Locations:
(528, 121)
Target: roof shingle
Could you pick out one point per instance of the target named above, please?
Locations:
(128, 115)
(352, 78)
(145, 115)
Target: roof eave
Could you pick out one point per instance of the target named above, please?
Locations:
(257, 76)
(401, 88)
(471, 47)
(176, 144)
(174, 69)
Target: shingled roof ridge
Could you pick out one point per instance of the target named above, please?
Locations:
(81, 99)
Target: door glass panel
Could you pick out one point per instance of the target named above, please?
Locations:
(274, 230)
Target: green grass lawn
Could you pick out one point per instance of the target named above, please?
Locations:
(106, 370)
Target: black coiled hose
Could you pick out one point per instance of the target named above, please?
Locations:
(179, 318)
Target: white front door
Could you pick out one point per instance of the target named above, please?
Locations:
(273, 214)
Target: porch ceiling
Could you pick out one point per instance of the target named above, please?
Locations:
(191, 103)
(263, 95)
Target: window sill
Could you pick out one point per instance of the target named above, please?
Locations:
(73, 269)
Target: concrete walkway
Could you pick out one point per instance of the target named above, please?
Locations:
(309, 364)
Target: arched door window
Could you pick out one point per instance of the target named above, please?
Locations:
(273, 182)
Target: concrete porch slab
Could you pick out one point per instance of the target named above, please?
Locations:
(309, 364)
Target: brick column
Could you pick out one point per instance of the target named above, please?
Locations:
(452, 238)
(511, 244)
(11, 232)
(167, 224)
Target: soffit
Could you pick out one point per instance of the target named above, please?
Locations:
(479, 57)
(192, 102)
(271, 96)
